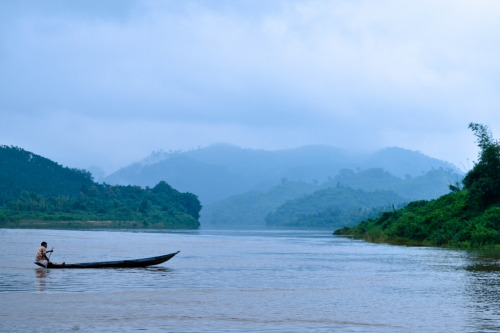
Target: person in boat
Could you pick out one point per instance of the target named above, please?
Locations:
(41, 255)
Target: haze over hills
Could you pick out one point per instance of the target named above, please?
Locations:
(307, 204)
(332, 208)
(243, 187)
(219, 171)
(403, 162)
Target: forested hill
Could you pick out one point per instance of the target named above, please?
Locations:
(468, 217)
(332, 207)
(37, 192)
(21, 170)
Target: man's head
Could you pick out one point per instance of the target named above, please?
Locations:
(44, 244)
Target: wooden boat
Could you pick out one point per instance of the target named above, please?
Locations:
(116, 264)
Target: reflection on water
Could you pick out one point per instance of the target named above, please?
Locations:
(41, 282)
(483, 262)
(483, 290)
(158, 269)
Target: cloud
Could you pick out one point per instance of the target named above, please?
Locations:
(353, 73)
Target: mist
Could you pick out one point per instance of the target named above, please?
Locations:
(104, 84)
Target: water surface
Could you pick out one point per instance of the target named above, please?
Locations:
(244, 281)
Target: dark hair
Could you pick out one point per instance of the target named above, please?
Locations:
(43, 243)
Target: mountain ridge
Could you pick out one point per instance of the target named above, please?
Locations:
(232, 170)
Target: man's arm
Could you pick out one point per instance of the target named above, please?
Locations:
(45, 254)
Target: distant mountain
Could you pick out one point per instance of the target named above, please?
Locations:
(210, 182)
(281, 163)
(429, 185)
(219, 171)
(250, 208)
(332, 208)
(403, 162)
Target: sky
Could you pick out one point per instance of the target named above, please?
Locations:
(105, 83)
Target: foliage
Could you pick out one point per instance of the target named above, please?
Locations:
(159, 207)
(467, 217)
(447, 221)
(483, 181)
(45, 191)
(21, 170)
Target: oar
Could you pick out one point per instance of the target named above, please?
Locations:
(52, 251)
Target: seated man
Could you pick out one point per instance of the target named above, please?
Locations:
(42, 259)
(41, 255)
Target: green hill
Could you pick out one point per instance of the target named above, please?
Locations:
(21, 171)
(332, 207)
(468, 217)
(37, 192)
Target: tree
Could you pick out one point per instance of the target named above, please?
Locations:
(144, 206)
(483, 181)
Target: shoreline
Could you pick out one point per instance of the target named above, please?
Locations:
(491, 248)
(90, 224)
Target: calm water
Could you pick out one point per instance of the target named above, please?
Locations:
(244, 281)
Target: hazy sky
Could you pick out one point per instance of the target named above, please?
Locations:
(106, 82)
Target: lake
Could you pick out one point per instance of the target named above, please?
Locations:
(244, 281)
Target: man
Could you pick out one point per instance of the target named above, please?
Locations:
(41, 255)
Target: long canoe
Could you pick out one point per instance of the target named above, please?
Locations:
(116, 264)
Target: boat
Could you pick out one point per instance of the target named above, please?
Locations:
(115, 264)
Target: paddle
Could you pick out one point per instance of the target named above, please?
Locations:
(51, 251)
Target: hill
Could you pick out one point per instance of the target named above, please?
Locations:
(220, 171)
(251, 208)
(429, 185)
(37, 192)
(403, 162)
(332, 207)
(468, 217)
(21, 170)
(209, 182)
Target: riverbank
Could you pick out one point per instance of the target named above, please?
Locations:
(79, 225)
(446, 222)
